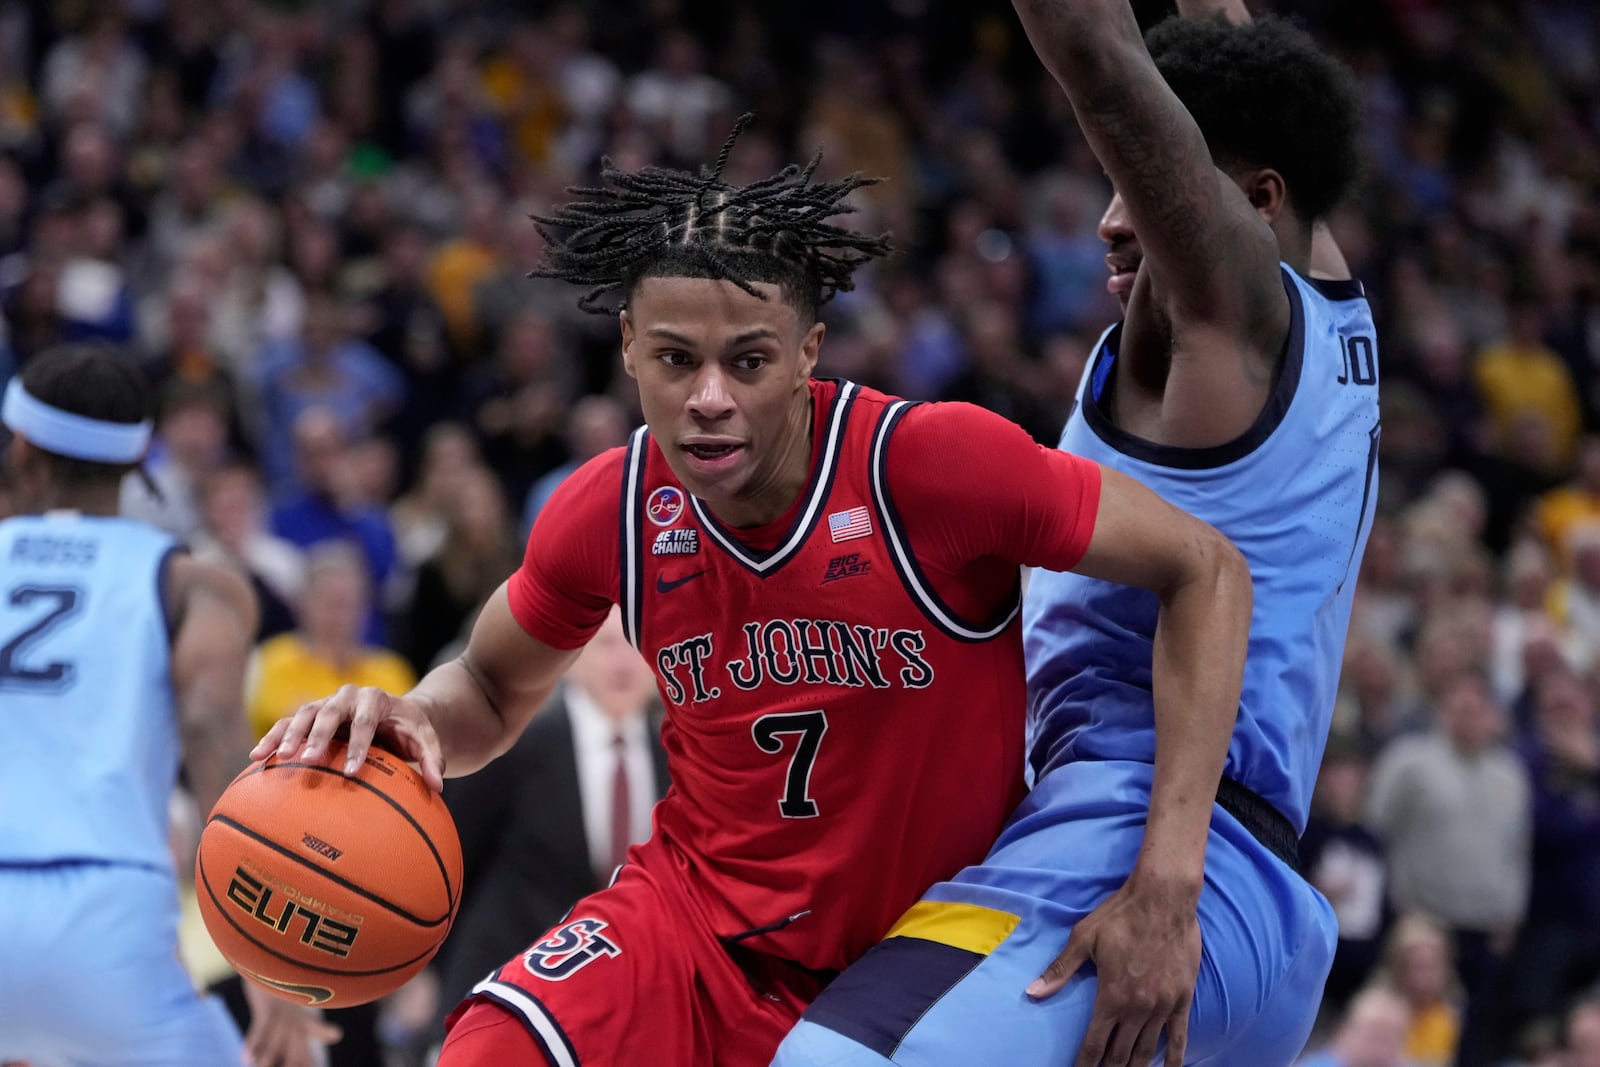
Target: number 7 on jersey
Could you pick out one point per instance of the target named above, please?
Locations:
(808, 727)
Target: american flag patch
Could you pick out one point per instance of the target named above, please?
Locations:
(849, 525)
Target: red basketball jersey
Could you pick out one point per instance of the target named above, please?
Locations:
(839, 738)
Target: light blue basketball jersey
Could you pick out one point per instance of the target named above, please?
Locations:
(1296, 493)
(85, 691)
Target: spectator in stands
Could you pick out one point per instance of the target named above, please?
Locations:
(233, 529)
(676, 97)
(190, 442)
(517, 402)
(1575, 600)
(595, 423)
(326, 649)
(404, 324)
(477, 554)
(1372, 1033)
(418, 517)
(1521, 615)
(256, 300)
(324, 509)
(1559, 511)
(1583, 1034)
(1452, 806)
(1345, 860)
(1558, 953)
(323, 369)
(1418, 965)
(460, 263)
(1520, 377)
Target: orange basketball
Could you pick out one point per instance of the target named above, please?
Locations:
(324, 889)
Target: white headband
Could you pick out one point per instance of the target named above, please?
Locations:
(73, 436)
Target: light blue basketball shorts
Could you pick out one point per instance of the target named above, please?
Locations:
(90, 976)
(946, 986)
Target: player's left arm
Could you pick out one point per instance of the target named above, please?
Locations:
(997, 493)
(215, 627)
(214, 613)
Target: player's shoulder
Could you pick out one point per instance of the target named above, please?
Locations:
(586, 500)
(949, 423)
(868, 404)
(826, 390)
(595, 481)
(605, 464)
(188, 579)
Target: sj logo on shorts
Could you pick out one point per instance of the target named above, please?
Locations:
(568, 949)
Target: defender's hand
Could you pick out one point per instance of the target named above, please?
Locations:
(400, 723)
(1144, 942)
(284, 1034)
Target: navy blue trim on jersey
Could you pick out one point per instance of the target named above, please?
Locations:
(534, 1016)
(1272, 413)
(821, 485)
(905, 561)
(1337, 289)
(164, 567)
(880, 997)
(1374, 435)
(630, 596)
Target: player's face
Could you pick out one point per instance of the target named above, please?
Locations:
(722, 381)
(1123, 255)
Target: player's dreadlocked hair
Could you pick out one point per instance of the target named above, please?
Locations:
(660, 222)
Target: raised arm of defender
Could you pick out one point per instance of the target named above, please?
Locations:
(1189, 215)
(1208, 304)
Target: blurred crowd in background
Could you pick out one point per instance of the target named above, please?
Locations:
(310, 222)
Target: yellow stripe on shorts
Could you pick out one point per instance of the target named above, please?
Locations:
(964, 926)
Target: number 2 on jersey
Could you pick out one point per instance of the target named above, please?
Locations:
(60, 602)
(808, 728)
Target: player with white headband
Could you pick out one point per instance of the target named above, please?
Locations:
(119, 655)
(73, 436)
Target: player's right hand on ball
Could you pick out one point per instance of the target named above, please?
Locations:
(399, 724)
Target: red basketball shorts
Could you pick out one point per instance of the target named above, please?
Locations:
(634, 975)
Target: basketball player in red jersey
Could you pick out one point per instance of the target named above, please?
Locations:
(826, 582)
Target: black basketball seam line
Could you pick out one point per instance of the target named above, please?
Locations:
(249, 936)
(449, 890)
(288, 853)
(438, 860)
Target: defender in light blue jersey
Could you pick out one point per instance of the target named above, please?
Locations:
(117, 653)
(1144, 901)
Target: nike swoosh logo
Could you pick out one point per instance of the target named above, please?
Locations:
(314, 995)
(664, 586)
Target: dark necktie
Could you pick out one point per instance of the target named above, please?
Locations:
(621, 806)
